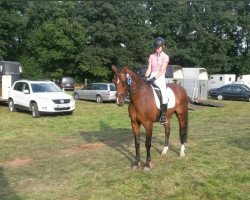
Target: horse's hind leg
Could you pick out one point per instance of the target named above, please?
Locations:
(183, 122)
(167, 133)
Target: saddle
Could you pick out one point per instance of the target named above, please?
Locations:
(158, 92)
(158, 96)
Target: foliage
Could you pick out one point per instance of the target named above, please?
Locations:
(83, 38)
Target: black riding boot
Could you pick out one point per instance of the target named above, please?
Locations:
(163, 119)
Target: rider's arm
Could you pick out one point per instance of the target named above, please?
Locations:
(148, 72)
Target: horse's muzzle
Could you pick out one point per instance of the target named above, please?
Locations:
(120, 101)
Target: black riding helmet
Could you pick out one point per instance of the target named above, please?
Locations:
(158, 42)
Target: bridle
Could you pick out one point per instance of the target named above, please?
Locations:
(128, 91)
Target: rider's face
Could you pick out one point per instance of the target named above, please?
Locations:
(159, 49)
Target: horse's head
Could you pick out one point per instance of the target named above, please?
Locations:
(120, 81)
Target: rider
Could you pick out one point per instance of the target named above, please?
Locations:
(157, 65)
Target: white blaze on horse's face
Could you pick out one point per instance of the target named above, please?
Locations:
(118, 81)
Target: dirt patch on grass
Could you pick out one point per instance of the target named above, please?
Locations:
(86, 147)
(17, 162)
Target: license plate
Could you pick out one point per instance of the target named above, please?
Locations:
(62, 105)
(67, 84)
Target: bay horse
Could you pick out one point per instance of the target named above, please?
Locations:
(144, 111)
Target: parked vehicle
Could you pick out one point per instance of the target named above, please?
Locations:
(39, 97)
(196, 83)
(98, 92)
(66, 83)
(9, 73)
(231, 92)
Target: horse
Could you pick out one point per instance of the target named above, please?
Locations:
(144, 111)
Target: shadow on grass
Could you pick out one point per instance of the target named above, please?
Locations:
(121, 139)
(6, 192)
(242, 143)
(118, 139)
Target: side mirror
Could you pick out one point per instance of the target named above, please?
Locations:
(26, 92)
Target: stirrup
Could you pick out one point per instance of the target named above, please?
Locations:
(163, 120)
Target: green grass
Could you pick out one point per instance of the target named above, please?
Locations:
(88, 155)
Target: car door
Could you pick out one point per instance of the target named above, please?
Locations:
(238, 93)
(84, 93)
(20, 98)
(227, 92)
(95, 90)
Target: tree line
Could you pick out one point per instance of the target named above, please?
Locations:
(84, 38)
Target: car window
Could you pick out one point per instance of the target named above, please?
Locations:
(88, 87)
(25, 87)
(95, 87)
(227, 89)
(103, 87)
(18, 86)
(237, 89)
(45, 87)
(246, 87)
(112, 88)
(67, 80)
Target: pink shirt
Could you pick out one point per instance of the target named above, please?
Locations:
(157, 60)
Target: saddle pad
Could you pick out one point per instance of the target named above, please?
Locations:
(170, 95)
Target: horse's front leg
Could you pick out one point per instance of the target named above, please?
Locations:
(167, 133)
(149, 129)
(136, 130)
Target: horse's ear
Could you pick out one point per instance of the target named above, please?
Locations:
(114, 69)
(126, 67)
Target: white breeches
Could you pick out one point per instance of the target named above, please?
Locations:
(161, 83)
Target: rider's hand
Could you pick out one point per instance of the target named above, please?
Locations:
(151, 81)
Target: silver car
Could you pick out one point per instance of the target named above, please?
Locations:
(98, 92)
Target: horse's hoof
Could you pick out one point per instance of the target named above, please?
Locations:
(146, 168)
(182, 155)
(133, 167)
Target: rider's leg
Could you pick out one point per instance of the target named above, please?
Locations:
(161, 83)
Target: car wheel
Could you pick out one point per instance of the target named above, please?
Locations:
(99, 99)
(220, 97)
(76, 96)
(11, 105)
(34, 110)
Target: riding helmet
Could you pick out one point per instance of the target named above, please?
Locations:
(158, 42)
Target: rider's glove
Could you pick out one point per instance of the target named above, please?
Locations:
(151, 81)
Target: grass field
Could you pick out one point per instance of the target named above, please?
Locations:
(88, 156)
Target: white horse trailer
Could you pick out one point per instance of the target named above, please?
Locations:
(195, 82)
(174, 74)
(9, 73)
(244, 79)
(218, 80)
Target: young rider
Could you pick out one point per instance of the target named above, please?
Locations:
(157, 65)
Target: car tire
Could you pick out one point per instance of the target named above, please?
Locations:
(99, 99)
(11, 105)
(76, 96)
(34, 110)
(219, 97)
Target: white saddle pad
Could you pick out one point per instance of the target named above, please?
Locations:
(170, 95)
